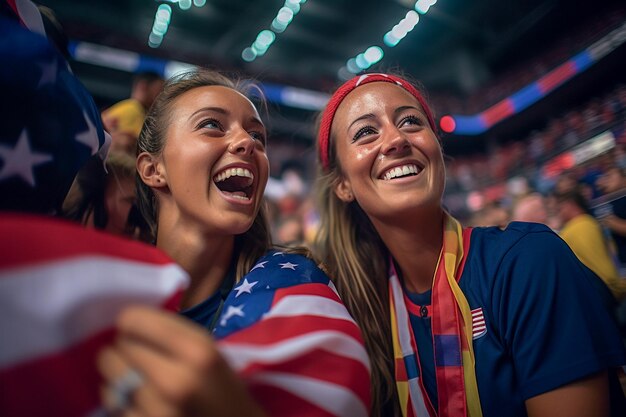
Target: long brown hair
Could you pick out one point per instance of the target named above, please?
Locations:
(355, 258)
(250, 245)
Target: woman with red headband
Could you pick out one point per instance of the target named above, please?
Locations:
(458, 321)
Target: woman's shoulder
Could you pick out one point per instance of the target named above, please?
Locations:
(515, 255)
(495, 243)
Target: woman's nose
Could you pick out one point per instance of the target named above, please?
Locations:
(395, 141)
(242, 144)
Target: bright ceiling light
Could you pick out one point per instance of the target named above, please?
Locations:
(285, 15)
(423, 6)
(248, 54)
(373, 54)
(266, 37)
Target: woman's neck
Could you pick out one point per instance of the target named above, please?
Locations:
(205, 258)
(415, 247)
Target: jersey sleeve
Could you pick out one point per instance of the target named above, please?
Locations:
(552, 317)
(287, 333)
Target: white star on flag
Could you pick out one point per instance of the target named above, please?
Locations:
(259, 265)
(232, 312)
(20, 160)
(48, 73)
(288, 265)
(245, 287)
(90, 136)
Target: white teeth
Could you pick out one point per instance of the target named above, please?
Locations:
(240, 196)
(401, 171)
(233, 172)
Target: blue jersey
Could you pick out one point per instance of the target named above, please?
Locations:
(540, 321)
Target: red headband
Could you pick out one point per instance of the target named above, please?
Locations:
(323, 137)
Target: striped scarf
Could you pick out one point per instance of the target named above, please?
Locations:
(452, 338)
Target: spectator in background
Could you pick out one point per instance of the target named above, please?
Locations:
(530, 208)
(103, 199)
(290, 231)
(124, 120)
(612, 214)
(584, 236)
(493, 214)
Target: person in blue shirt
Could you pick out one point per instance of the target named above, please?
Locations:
(268, 334)
(457, 321)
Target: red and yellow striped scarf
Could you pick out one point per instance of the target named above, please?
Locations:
(452, 337)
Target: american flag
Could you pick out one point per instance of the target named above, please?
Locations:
(61, 288)
(50, 123)
(479, 328)
(285, 330)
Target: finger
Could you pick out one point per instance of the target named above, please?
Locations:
(175, 379)
(111, 364)
(149, 402)
(174, 335)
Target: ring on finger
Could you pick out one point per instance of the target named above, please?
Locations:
(124, 387)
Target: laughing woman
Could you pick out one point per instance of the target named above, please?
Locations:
(280, 332)
(458, 322)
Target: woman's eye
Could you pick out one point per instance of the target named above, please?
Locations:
(364, 131)
(258, 136)
(411, 120)
(210, 124)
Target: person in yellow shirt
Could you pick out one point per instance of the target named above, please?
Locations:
(124, 119)
(583, 234)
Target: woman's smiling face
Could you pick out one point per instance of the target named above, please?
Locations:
(390, 158)
(214, 162)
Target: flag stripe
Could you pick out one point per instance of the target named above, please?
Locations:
(53, 293)
(57, 240)
(325, 366)
(313, 289)
(336, 399)
(316, 305)
(285, 402)
(19, 383)
(272, 330)
(241, 355)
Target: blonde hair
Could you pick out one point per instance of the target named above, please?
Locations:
(256, 241)
(355, 258)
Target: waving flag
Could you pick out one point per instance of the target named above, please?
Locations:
(61, 288)
(285, 330)
(50, 123)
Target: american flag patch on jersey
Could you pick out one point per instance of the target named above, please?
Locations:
(479, 328)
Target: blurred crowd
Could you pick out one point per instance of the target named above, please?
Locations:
(581, 143)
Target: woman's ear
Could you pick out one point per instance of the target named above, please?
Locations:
(343, 190)
(150, 170)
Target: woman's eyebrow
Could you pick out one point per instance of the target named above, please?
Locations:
(364, 117)
(209, 109)
(404, 108)
(256, 120)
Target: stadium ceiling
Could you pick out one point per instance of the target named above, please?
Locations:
(455, 47)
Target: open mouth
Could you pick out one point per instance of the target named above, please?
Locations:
(408, 170)
(235, 182)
